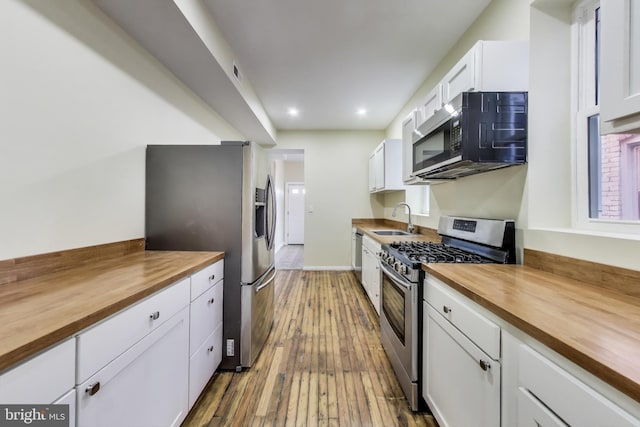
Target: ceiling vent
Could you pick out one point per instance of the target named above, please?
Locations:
(236, 73)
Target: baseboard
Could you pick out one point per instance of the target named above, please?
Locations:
(328, 268)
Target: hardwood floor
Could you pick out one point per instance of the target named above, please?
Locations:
(323, 364)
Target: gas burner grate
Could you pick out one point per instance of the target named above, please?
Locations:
(430, 252)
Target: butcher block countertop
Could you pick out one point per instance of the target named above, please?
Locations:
(596, 328)
(38, 312)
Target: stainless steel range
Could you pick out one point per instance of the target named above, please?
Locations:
(464, 240)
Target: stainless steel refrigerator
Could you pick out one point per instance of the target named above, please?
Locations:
(220, 198)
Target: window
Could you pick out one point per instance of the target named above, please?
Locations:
(609, 164)
(417, 196)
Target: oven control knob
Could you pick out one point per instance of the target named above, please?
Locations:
(403, 269)
(391, 259)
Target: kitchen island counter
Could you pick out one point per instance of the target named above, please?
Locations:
(595, 327)
(38, 312)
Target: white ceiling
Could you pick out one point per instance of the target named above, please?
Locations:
(328, 58)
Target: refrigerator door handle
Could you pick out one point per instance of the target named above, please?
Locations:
(270, 203)
(265, 284)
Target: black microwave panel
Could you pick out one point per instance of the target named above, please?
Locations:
(496, 127)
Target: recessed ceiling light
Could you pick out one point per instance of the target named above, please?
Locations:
(293, 112)
(361, 112)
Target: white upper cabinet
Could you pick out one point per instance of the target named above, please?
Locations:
(461, 78)
(490, 66)
(620, 65)
(431, 103)
(385, 166)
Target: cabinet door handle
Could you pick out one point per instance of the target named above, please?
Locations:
(212, 300)
(446, 309)
(93, 388)
(212, 277)
(210, 349)
(155, 315)
(485, 365)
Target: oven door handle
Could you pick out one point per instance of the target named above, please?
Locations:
(392, 275)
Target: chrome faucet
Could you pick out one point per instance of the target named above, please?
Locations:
(410, 226)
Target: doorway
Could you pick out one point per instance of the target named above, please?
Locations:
(288, 170)
(294, 219)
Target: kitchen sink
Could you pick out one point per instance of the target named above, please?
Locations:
(391, 233)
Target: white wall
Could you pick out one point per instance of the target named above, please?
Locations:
(336, 181)
(80, 101)
(294, 171)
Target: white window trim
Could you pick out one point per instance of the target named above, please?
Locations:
(583, 42)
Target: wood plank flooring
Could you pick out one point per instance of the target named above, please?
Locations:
(323, 364)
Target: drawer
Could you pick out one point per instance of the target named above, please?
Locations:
(108, 339)
(42, 379)
(532, 413)
(565, 395)
(205, 278)
(206, 315)
(484, 333)
(204, 363)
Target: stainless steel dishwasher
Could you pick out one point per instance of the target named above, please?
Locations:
(356, 253)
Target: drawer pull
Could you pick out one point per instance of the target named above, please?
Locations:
(212, 277)
(155, 315)
(93, 388)
(485, 365)
(212, 300)
(446, 309)
(210, 349)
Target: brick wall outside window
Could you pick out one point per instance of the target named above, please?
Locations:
(615, 176)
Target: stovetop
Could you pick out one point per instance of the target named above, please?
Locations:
(464, 241)
(419, 252)
(412, 254)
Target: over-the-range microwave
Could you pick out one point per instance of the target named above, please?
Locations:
(476, 132)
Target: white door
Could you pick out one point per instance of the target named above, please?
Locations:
(295, 214)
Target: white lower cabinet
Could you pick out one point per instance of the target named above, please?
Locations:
(533, 413)
(554, 397)
(203, 363)
(205, 337)
(47, 378)
(69, 399)
(42, 379)
(371, 275)
(147, 385)
(461, 383)
(526, 383)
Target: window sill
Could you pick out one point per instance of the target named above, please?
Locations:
(634, 236)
